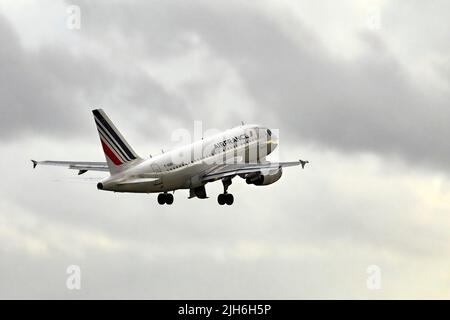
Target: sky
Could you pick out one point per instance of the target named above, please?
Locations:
(358, 88)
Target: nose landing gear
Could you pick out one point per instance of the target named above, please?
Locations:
(165, 198)
(225, 197)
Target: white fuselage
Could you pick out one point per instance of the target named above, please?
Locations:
(183, 167)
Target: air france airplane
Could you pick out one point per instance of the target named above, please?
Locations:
(240, 151)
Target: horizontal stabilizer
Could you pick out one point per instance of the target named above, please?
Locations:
(81, 166)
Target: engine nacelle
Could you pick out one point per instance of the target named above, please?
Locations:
(264, 178)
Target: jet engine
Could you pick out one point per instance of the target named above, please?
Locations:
(264, 178)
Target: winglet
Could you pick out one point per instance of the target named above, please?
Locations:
(303, 163)
(35, 163)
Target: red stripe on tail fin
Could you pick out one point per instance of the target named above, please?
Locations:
(111, 154)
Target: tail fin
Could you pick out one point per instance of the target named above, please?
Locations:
(118, 152)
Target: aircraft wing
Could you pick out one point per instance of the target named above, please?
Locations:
(227, 170)
(81, 166)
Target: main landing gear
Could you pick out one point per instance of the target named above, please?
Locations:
(165, 198)
(225, 197)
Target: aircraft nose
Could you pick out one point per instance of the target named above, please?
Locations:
(272, 139)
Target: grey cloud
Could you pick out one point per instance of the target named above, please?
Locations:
(135, 278)
(33, 98)
(51, 90)
(367, 104)
(363, 105)
(311, 235)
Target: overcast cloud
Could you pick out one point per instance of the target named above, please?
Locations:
(360, 89)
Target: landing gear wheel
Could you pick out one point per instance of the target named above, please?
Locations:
(169, 198)
(221, 199)
(229, 199)
(226, 197)
(161, 198)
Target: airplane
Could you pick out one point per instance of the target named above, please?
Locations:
(240, 151)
